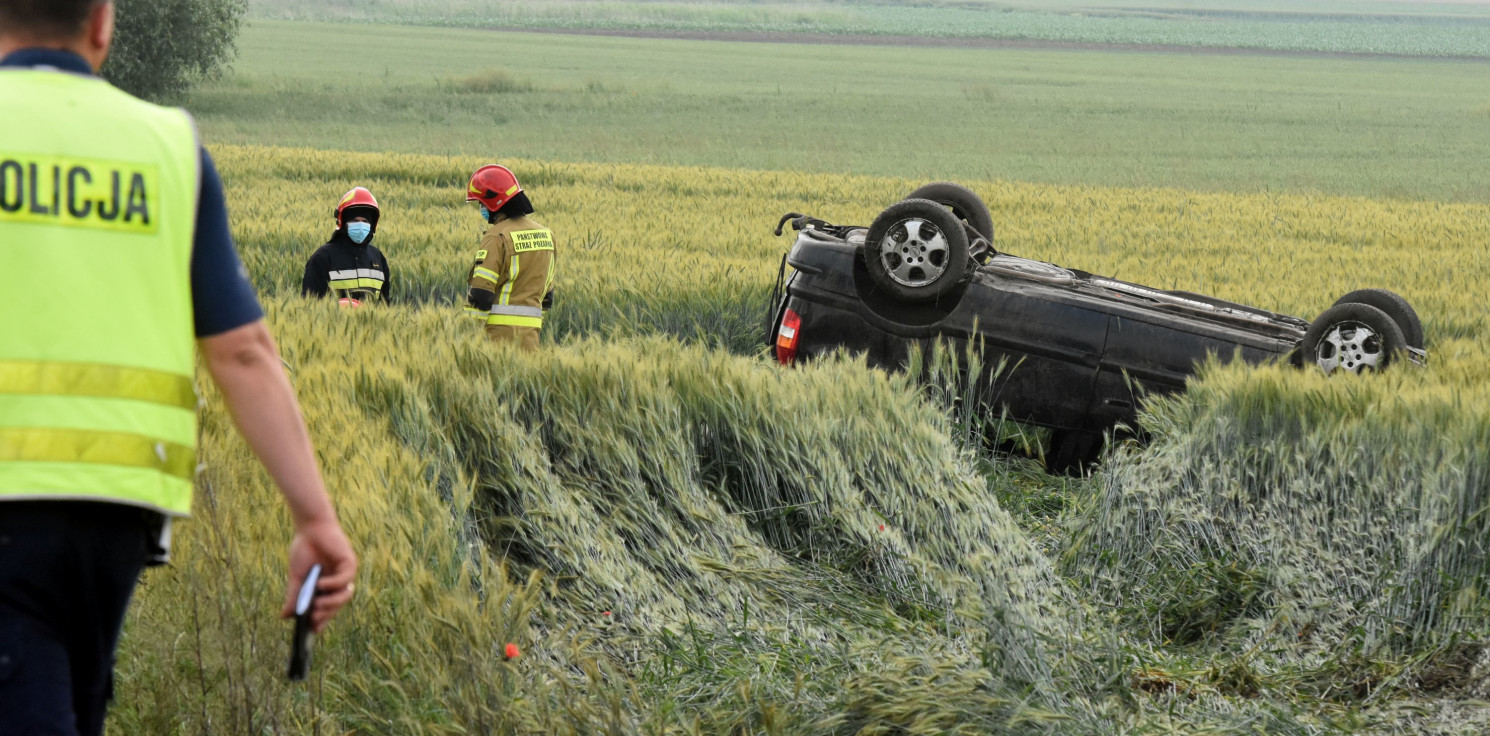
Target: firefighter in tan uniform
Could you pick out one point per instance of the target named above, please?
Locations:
(512, 282)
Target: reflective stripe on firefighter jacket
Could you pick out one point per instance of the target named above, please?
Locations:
(516, 263)
(366, 279)
(96, 395)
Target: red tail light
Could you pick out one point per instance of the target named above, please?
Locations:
(787, 337)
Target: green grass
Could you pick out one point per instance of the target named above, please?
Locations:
(707, 565)
(1372, 127)
(689, 580)
(1431, 30)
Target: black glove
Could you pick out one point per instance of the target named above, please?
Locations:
(548, 299)
(481, 298)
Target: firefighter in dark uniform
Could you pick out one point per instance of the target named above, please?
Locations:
(512, 282)
(98, 412)
(349, 266)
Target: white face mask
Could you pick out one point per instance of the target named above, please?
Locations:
(358, 231)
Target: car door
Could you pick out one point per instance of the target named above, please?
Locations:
(1050, 348)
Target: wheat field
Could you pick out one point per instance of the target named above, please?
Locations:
(683, 537)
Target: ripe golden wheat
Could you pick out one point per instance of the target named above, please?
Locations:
(684, 539)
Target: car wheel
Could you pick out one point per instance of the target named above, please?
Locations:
(963, 202)
(1352, 337)
(1395, 307)
(916, 251)
(1073, 452)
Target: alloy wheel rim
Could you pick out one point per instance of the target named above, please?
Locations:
(914, 252)
(1350, 346)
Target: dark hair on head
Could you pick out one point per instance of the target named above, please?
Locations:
(518, 206)
(48, 18)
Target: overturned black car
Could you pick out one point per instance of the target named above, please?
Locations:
(1080, 350)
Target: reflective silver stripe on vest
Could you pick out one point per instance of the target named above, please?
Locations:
(512, 311)
(358, 273)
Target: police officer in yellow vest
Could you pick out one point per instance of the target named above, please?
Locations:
(512, 282)
(117, 267)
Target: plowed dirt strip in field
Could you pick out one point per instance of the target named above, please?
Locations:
(979, 42)
(1329, 27)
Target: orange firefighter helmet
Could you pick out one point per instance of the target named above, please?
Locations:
(493, 186)
(357, 203)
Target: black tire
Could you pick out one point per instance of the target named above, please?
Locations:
(917, 266)
(1073, 452)
(963, 202)
(1396, 307)
(1353, 337)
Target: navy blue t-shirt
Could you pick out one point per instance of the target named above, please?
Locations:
(222, 299)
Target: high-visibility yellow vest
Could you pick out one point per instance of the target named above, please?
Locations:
(98, 198)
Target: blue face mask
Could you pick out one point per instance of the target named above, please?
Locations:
(485, 213)
(358, 231)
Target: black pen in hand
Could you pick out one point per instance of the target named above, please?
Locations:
(300, 642)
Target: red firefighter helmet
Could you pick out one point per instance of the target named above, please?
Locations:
(493, 186)
(357, 203)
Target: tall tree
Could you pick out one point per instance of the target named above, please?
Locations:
(162, 47)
